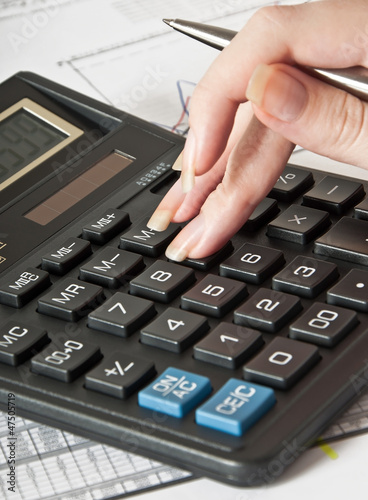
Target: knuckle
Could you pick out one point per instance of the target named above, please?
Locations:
(273, 17)
(351, 119)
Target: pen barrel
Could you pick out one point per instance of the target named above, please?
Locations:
(353, 80)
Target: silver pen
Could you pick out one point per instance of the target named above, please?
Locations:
(353, 80)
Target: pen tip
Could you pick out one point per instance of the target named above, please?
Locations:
(168, 21)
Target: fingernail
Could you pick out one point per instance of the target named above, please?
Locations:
(160, 219)
(188, 170)
(187, 179)
(178, 163)
(176, 254)
(276, 92)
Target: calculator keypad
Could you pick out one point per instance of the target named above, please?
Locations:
(116, 320)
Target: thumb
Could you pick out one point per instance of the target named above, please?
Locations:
(310, 113)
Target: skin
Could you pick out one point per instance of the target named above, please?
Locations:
(253, 105)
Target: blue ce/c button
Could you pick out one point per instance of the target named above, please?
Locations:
(236, 407)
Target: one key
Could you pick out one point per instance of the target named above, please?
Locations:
(323, 324)
(108, 225)
(64, 258)
(298, 224)
(174, 330)
(292, 182)
(111, 267)
(24, 287)
(120, 375)
(175, 392)
(305, 277)
(346, 240)
(67, 361)
(214, 295)
(70, 300)
(147, 241)
(163, 281)
(281, 363)
(121, 315)
(267, 310)
(236, 407)
(252, 263)
(334, 194)
(228, 345)
(351, 291)
(19, 341)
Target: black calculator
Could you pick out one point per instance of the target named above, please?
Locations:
(228, 366)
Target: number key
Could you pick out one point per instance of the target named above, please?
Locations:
(305, 277)
(282, 363)
(214, 295)
(252, 263)
(267, 310)
(66, 362)
(163, 281)
(323, 325)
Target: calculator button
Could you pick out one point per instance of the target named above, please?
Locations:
(24, 287)
(334, 194)
(214, 295)
(66, 362)
(19, 341)
(207, 262)
(265, 211)
(346, 240)
(361, 210)
(70, 300)
(351, 291)
(111, 223)
(298, 224)
(174, 330)
(236, 407)
(305, 277)
(121, 315)
(63, 259)
(111, 267)
(323, 324)
(163, 281)
(228, 345)
(267, 310)
(291, 183)
(175, 392)
(142, 239)
(281, 363)
(120, 375)
(252, 263)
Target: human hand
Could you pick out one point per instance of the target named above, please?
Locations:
(236, 166)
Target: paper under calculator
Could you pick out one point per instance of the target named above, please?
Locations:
(228, 366)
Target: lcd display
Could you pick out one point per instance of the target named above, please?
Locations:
(29, 134)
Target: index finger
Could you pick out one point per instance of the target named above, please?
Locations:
(313, 34)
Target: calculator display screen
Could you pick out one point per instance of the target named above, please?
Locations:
(29, 134)
(79, 188)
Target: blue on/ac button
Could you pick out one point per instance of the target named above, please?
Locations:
(236, 407)
(175, 392)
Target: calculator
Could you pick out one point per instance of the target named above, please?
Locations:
(228, 366)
